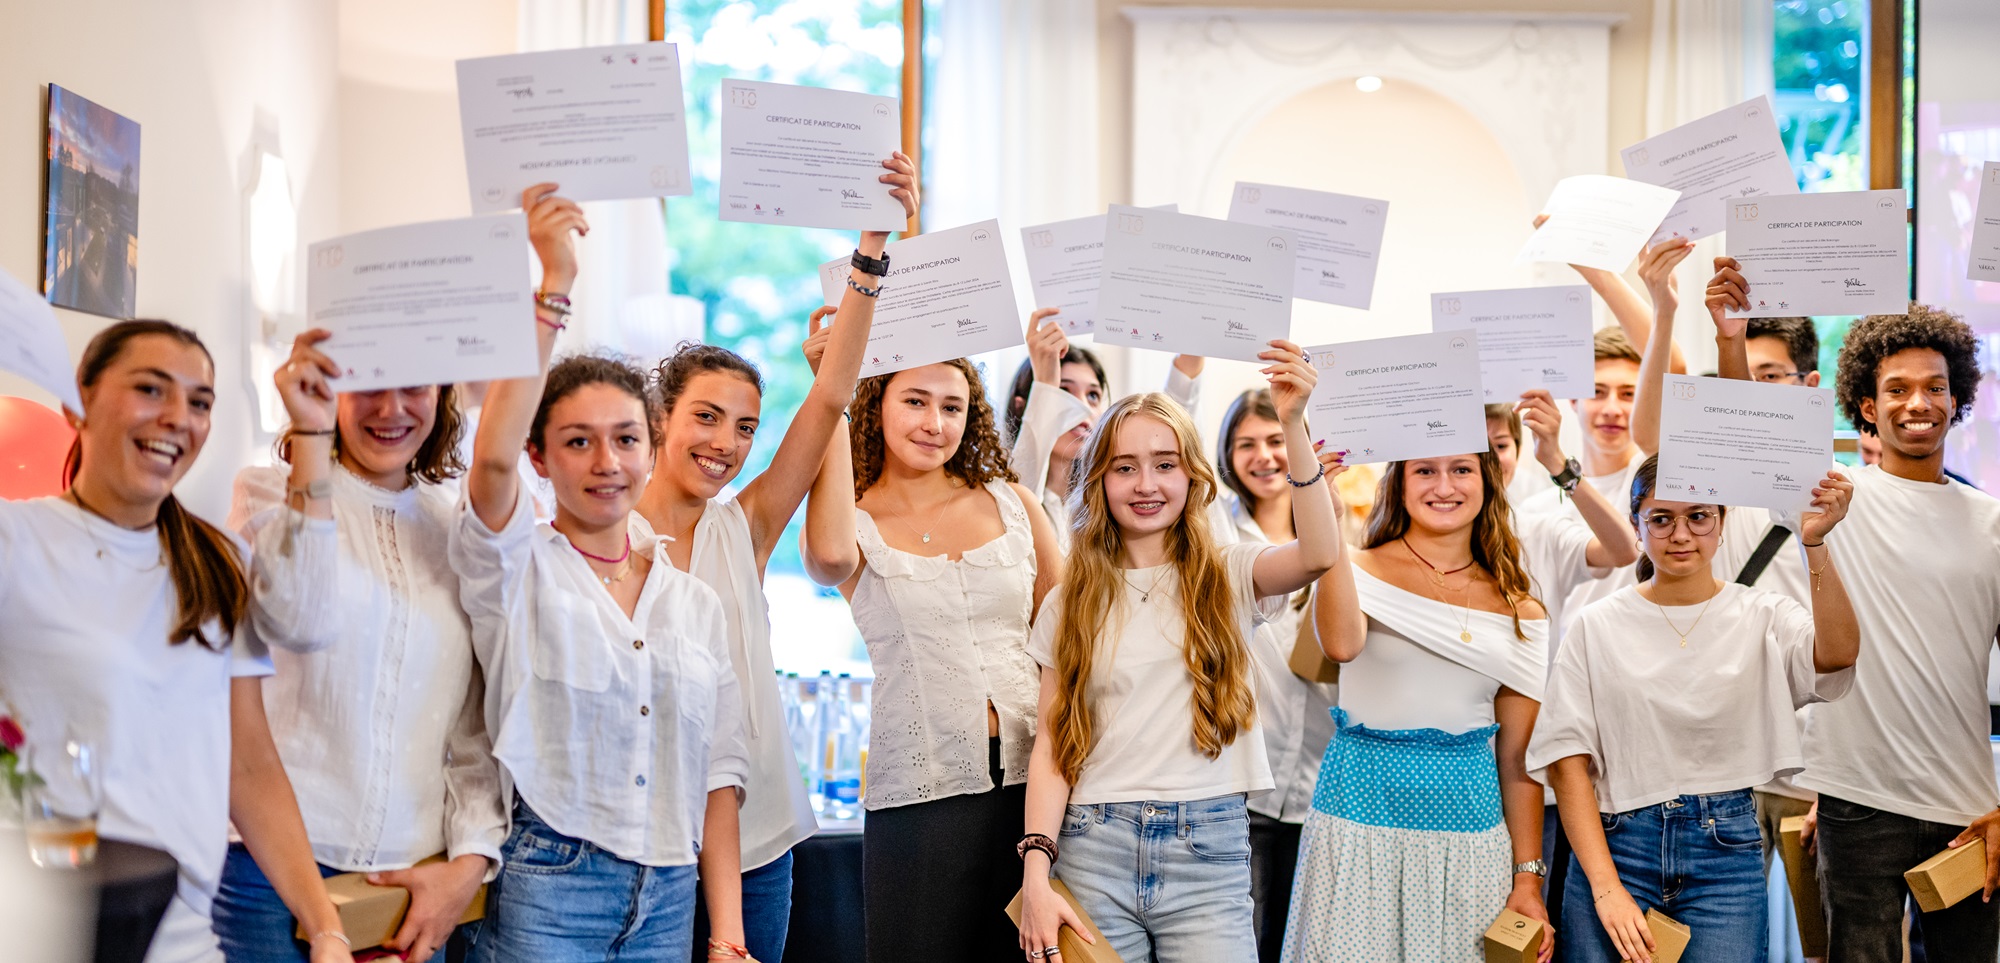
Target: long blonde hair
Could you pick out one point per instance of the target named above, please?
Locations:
(1218, 659)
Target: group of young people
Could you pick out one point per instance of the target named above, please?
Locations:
(1082, 629)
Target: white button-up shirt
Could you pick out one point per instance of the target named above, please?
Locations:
(613, 728)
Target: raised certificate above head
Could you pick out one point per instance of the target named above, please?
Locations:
(425, 304)
(1983, 261)
(1806, 254)
(1195, 285)
(1392, 399)
(1598, 221)
(31, 343)
(1730, 153)
(1065, 267)
(604, 122)
(1727, 442)
(1340, 237)
(808, 157)
(948, 295)
(1528, 338)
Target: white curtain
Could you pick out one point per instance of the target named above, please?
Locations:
(1706, 55)
(622, 294)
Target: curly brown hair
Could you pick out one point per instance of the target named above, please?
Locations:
(1878, 336)
(980, 457)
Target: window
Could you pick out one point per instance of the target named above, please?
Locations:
(1818, 49)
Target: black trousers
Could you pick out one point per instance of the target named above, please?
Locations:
(1274, 859)
(1862, 855)
(937, 877)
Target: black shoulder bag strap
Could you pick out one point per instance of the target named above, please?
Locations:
(1753, 568)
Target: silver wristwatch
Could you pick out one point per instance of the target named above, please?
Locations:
(1534, 866)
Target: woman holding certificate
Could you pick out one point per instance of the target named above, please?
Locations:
(710, 403)
(128, 638)
(1425, 824)
(1149, 741)
(1669, 702)
(945, 561)
(609, 696)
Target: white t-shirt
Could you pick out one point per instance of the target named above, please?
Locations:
(1554, 549)
(1141, 695)
(1743, 529)
(1921, 562)
(1616, 489)
(1660, 721)
(84, 650)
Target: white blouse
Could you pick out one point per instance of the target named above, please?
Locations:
(84, 651)
(1415, 671)
(376, 704)
(1050, 413)
(1142, 697)
(1660, 721)
(946, 638)
(649, 696)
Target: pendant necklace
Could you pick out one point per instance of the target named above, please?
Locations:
(1146, 594)
(926, 534)
(620, 561)
(80, 503)
(1437, 579)
(1436, 576)
(1691, 628)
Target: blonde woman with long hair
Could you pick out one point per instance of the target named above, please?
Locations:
(1149, 743)
(1425, 824)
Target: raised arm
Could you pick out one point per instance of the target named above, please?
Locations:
(1295, 564)
(1336, 606)
(773, 496)
(266, 814)
(1836, 635)
(1612, 544)
(289, 523)
(1726, 290)
(1050, 411)
(492, 484)
(1656, 266)
(1627, 308)
(827, 544)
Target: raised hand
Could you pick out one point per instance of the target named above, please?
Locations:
(302, 383)
(551, 222)
(1656, 268)
(1543, 419)
(817, 335)
(1046, 346)
(1727, 290)
(902, 180)
(1292, 379)
(1830, 497)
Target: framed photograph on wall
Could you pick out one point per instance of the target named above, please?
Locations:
(90, 247)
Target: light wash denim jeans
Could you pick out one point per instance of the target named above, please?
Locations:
(252, 923)
(563, 900)
(1698, 859)
(1164, 881)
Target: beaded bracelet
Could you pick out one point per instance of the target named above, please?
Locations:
(875, 291)
(1308, 482)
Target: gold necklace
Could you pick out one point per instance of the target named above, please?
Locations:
(1145, 594)
(926, 534)
(72, 495)
(1465, 615)
(1691, 628)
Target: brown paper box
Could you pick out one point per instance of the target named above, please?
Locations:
(1074, 949)
(1948, 877)
(1670, 938)
(370, 915)
(1802, 877)
(1309, 661)
(1513, 938)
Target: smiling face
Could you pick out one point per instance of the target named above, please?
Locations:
(1257, 457)
(1443, 495)
(1079, 379)
(709, 432)
(146, 417)
(923, 415)
(382, 431)
(1146, 483)
(596, 453)
(1912, 405)
(1608, 412)
(1679, 537)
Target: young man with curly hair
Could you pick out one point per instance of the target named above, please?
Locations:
(1902, 766)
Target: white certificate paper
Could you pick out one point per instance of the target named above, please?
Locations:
(1728, 442)
(1806, 254)
(1528, 338)
(1195, 285)
(1392, 399)
(1983, 264)
(1598, 221)
(1340, 237)
(425, 304)
(604, 122)
(1731, 153)
(808, 157)
(948, 295)
(1066, 265)
(31, 342)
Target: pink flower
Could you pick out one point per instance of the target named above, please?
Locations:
(11, 735)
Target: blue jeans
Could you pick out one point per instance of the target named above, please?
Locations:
(1164, 881)
(1698, 859)
(559, 899)
(767, 911)
(250, 920)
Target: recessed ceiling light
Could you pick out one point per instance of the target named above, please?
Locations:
(1368, 84)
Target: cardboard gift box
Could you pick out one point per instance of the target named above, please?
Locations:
(1950, 876)
(371, 915)
(1074, 949)
(1308, 661)
(1801, 874)
(1670, 938)
(1514, 938)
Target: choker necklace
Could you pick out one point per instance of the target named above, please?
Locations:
(1436, 577)
(620, 560)
(1145, 594)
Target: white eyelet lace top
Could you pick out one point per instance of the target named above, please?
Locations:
(946, 638)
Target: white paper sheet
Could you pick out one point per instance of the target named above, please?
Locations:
(1528, 338)
(31, 342)
(1392, 399)
(1731, 153)
(604, 122)
(1194, 285)
(1728, 442)
(1065, 262)
(1598, 221)
(1983, 260)
(1340, 237)
(948, 295)
(808, 157)
(1807, 254)
(423, 304)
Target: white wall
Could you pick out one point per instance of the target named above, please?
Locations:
(196, 75)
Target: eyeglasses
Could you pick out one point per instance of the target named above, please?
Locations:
(1700, 522)
(1774, 376)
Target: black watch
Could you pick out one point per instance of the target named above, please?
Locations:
(877, 266)
(1567, 478)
